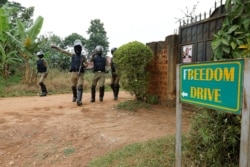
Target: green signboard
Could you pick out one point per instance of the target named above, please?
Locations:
(216, 85)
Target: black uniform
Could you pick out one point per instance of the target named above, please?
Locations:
(100, 63)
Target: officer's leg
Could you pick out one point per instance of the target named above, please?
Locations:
(74, 93)
(73, 86)
(93, 88)
(112, 87)
(112, 84)
(79, 89)
(43, 89)
(116, 87)
(42, 85)
(92, 94)
(79, 95)
(102, 87)
(101, 93)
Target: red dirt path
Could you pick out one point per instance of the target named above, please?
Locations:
(52, 131)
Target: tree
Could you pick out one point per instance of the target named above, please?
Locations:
(69, 40)
(132, 60)
(57, 59)
(2, 2)
(15, 11)
(97, 36)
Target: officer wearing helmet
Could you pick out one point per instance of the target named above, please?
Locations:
(77, 65)
(115, 78)
(42, 71)
(100, 67)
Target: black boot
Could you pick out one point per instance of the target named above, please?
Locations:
(101, 91)
(74, 93)
(92, 94)
(116, 88)
(79, 96)
(113, 89)
(43, 89)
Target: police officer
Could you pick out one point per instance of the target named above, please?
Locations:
(115, 78)
(42, 71)
(100, 67)
(77, 65)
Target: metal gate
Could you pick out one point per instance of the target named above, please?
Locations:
(195, 37)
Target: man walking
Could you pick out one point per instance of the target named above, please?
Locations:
(77, 65)
(42, 71)
(100, 64)
(115, 78)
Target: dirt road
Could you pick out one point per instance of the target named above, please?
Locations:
(52, 131)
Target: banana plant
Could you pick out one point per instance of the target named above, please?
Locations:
(6, 59)
(25, 42)
(8, 56)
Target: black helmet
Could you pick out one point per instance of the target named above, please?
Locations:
(113, 50)
(40, 54)
(99, 50)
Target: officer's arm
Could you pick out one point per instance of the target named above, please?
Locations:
(85, 63)
(61, 50)
(47, 65)
(107, 66)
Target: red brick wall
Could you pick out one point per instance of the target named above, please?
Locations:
(163, 68)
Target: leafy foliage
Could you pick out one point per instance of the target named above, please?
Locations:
(16, 11)
(234, 32)
(69, 40)
(132, 59)
(97, 36)
(214, 139)
(8, 54)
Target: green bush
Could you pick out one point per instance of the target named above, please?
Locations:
(214, 139)
(132, 60)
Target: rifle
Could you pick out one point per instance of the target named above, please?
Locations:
(81, 64)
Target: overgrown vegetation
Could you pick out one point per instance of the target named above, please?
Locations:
(57, 82)
(214, 139)
(234, 33)
(131, 60)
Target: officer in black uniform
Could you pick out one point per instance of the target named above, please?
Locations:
(42, 71)
(100, 67)
(115, 77)
(77, 65)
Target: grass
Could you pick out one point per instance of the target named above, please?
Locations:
(132, 105)
(57, 82)
(152, 153)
